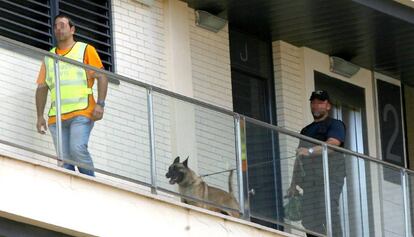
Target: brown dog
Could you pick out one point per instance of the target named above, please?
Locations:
(192, 185)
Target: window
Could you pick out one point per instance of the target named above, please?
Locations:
(30, 22)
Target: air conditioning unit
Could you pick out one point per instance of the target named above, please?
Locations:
(209, 21)
(342, 67)
(146, 2)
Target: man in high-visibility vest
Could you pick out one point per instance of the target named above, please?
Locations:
(78, 107)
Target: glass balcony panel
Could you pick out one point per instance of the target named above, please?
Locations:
(19, 69)
(387, 194)
(207, 139)
(119, 143)
(285, 188)
(348, 194)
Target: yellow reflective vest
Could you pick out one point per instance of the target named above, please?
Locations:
(74, 89)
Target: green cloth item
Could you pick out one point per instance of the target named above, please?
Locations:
(293, 209)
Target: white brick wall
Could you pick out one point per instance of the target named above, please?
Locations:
(210, 56)
(139, 40)
(289, 87)
(18, 73)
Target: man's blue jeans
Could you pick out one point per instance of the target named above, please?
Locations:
(75, 137)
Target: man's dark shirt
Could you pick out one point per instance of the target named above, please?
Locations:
(325, 129)
(311, 179)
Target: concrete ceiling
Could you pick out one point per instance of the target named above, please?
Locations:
(375, 34)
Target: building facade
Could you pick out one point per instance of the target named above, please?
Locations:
(263, 62)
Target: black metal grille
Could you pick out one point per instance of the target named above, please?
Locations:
(30, 21)
(27, 21)
(93, 25)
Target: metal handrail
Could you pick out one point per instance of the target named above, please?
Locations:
(174, 95)
(117, 76)
(197, 102)
(336, 148)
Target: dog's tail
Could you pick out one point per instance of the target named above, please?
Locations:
(231, 182)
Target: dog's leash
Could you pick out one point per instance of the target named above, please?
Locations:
(263, 163)
(224, 171)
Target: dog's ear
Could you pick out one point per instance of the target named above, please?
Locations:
(185, 163)
(177, 160)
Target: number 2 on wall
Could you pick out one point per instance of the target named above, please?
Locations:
(388, 108)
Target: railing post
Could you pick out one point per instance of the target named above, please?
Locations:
(152, 140)
(406, 198)
(241, 160)
(327, 190)
(58, 112)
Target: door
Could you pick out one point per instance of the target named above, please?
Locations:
(354, 194)
(348, 105)
(253, 96)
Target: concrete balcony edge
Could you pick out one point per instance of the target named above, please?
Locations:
(45, 195)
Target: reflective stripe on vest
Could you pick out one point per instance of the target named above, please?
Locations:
(74, 89)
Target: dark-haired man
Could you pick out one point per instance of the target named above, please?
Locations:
(308, 172)
(78, 107)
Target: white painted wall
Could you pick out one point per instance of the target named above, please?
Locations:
(140, 54)
(289, 85)
(18, 73)
(210, 57)
(139, 41)
(289, 89)
(210, 54)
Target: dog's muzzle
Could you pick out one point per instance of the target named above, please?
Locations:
(173, 180)
(175, 177)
